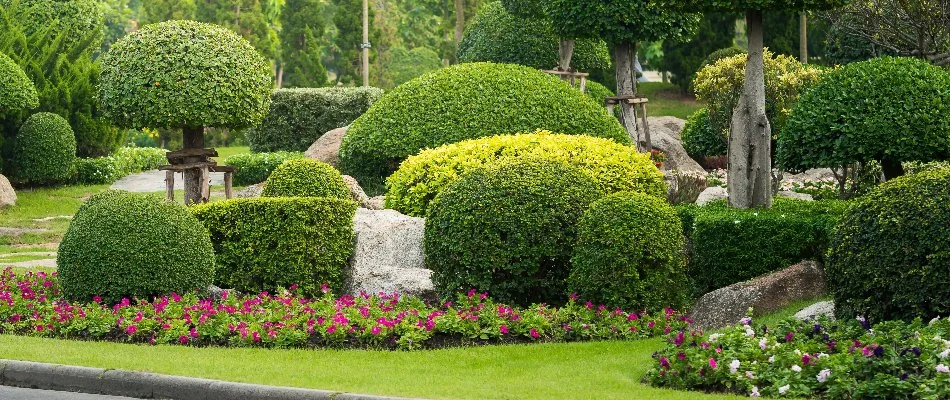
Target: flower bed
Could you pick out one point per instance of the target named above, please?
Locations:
(837, 360)
(31, 304)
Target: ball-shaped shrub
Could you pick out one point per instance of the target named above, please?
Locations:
(890, 256)
(44, 150)
(304, 177)
(16, 90)
(498, 36)
(613, 166)
(700, 139)
(508, 229)
(467, 101)
(254, 168)
(184, 74)
(123, 244)
(598, 92)
(717, 55)
(884, 109)
(630, 254)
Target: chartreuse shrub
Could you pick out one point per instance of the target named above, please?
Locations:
(700, 139)
(123, 244)
(298, 117)
(304, 177)
(253, 168)
(890, 256)
(613, 166)
(270, 243)
(16, 90)
(44, 150)
(885, 109)
(508, 229)
(467, 101)
(125, 161)
(731, 245)
(630, 254)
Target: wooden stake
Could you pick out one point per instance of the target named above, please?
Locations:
(205, 185)
(228, 185)
(170, 185)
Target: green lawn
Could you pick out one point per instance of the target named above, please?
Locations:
(666, 99)
(33, 204)
(225, 152)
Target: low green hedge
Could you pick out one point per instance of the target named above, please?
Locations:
(125, 161)
(269, 243)
(254, 168)
(43, 151)
(298, 117)
(305, 177)
(700, 139)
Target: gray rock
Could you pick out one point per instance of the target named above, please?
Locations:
(712, 194)
(327, 147)
(7, 195)
(388, 255)
(813, 175)
(376, 203)
(665, 133)
(672, 125)
(767, 293)
(795, 195)
(356, 192)
(683, 187)
(250, 191)
(218, 294)
(819, 309)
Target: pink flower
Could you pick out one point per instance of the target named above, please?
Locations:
(183, 339)
(331, 328)
(806, 359)
(534, 333)
(325, 288)
(131, 329)
(96, 299)
(712, 363)
(664, 362)
(256, 336)
(376, 330)
(503, 329)
(193, 332)
(40, 328)
(573, 296)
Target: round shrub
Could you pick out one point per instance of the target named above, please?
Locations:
(304, 177)
(700, 139)
(44, 150)
(184, 74)
(890, 256)
(630, 253)
(16, 90)
(462, 102)
(613, 166)
(508, 229)
(885, 109)
(123, 244)
(599, 93)
(254, 168)
(498, 36)
(717, 55)
(405, 65)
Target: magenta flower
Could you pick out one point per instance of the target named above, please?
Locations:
(193, 332)
(789, 336)
(256, 336)
(712, 363)
(131, 329)
(664, 362)
(331, 328)
(376, 330)
(534, 333)
(679, 339)
(806, 359)
(573, 296)
(503, 329)
(96, 299)
(183, 339)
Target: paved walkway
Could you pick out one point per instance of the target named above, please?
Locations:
(14, 393)
(154, 181)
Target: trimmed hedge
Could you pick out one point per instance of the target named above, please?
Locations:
(508, 229)
(125, 161)
(298, 117)
(467, 101)
(271, 243)
(254, 168)
(630, 254)
(700, 139)
(305, 177)
(123, 245)
(43, 151)
(16, 89)
(613, 166)
(890, 257)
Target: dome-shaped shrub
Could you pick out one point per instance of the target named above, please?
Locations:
(122, 244)
(16, 90)
(630, 254)
(890, 256)
(613, 166)
(508, 229)
(700, 139)
(467, 101)
(304, 177)
(44, 150)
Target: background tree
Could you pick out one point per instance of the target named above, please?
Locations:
(249, 18)
(684, 58)
(534, 10)
(302, 28)
(165, 10)
(348, 19)
(783, 35)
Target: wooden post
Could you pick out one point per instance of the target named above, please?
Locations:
(205, 184)
(365, 45)
(646, 127)
(583, 84)
(803, 38)
(170, 185)
(228, 185)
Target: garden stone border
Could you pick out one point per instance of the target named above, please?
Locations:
(148, 385)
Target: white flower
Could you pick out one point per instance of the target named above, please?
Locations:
(714, 337)
(750, 375)
(823, 375)
(734, 366)
(796, 368)
(823, 355)
(745, 321)
(784, 389)
(798, 352)
(772, 359)
(749, 331)
(763, 343)
(755, 392)
(943, 368)
(934, 321)
(944, 354)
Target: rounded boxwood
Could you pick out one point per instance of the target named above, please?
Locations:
(304, 177)
(16, 90)
(508, 229)
(254, 168)
(890, 255)
(467, 101)
(184, 74)
(613, 166)
(700, 139)
(44, 150)
(630, 253)
(123, 244)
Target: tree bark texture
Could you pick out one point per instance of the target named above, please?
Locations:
(193, 138)
(803, 38)
(364, 56)
(459, 21)
(623, 54)
(750, 138)
(566, 51)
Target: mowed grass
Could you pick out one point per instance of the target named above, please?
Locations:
(667, 99)
(38, 203)
(225, 152)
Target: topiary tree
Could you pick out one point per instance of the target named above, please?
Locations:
(16, 90)
(305, 177)
(630, 254)
(886, 109)
(188, 75)
(123, 244)
(466, 101)
(43, 151)
(700, 139)
(508, 229)
(890, 256)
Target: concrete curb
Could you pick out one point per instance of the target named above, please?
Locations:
(153, 386)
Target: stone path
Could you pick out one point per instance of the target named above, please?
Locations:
(154, 181)
(15, 393)
(4, 231)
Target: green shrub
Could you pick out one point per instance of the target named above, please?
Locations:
(304, 177)
(298, 117)
(700, 139)
(405, 65)
(886, 109)
(253, 168)
(44, 150)
(126, 161)
(122, 244)
(16, 90)
(890, 256)
(599, 93)
(462, 102)
(498, 36)
(508, 229)
(630, 254)
(613, 166)
(717, 55)
(269, 243)
(682, 58)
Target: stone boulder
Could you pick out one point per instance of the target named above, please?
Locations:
(388, 255)
(818, 174)
(765, 294)
(665, 136)
(356, 192)
(7, 195)
(250, 191)
(683, 187)
(712, 194)
(794, 195)
(376, 203)
(327, 147)
(819, 309)
(672, 125)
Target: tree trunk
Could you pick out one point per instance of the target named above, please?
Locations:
(459, 21)
(803, 38)
(623, 54)
(566, 51)
(364, 56)
(193, 138)
(750, 139)
(280, 76)
(891, 168)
